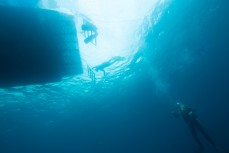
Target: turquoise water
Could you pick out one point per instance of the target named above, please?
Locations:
(182, 55)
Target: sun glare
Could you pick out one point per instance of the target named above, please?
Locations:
(116, 22)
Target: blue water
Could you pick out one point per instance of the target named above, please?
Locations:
(185, 58)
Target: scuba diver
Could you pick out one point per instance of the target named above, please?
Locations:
(108, 63)
(89, 27)
(194, 124)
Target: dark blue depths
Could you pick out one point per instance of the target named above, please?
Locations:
(191, 41)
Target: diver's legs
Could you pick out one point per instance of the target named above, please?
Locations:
(201, 129)
(193, 132)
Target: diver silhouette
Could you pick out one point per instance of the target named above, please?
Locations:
(108, 63)
(89, 27)
(194, 124)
